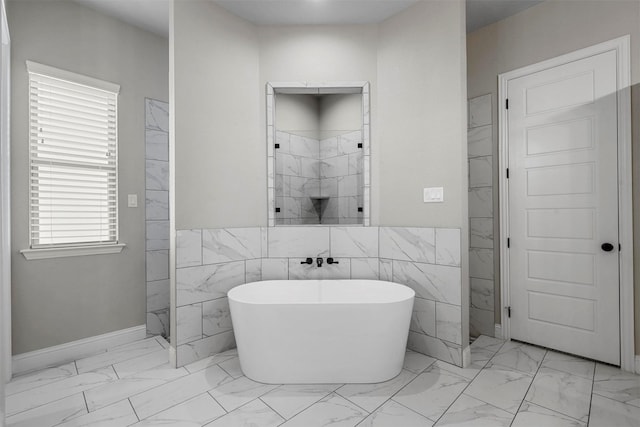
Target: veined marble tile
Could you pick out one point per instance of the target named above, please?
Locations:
(156, 145)
(198, 411)
(329, 187)
(291, 399)
(531, 415)
(416, 362)
(356, 164)
(480, 141)
(120, 389)
(334, 167)
(561, 392)
(365, 268)
(329, 147)
(481, 232)
(239, 392)
(165, 396)
(310, 167)
(348, 142)
(481, 322)
(207, 282)
(468, 411)
(275, 269)
(156, 175)
(232, 367)
(332, 410)
(449, 322)
(606, 413)
(158, 322)
(488, 343)
(304, 146)
(204, 363)
(142, 363)
(393, 414)
(196, 350)
(482, 296)
(33, 398)
(156, 204)
(354, 242)
(255, 413)
(157, 115)
(470, 372)
(616, 384)
(189, 323)
(502, 387)
(370, 396)
(430, 281)
(286, 164)
(348, 185)
(481, 263)
(157, 265)
(253, 270)
(303, 187)
(386, 270)
(158, 295)
(40, 378)
(188, 248)
(50, 414)
(432, 392)
(157, 236)
(283, 138)
(431, 346)
(216, 317)
(341, 270)
(480, 111)
(481, 171)
(448, 246)
(423, 317)
(481, 202)
(118, 354)
(408, 244)
(573, 365)
(298, 242)
(522, 357)
(230, 244)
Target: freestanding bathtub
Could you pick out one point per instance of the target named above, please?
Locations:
(321, 331)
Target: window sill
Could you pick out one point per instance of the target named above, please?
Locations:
(45, 253)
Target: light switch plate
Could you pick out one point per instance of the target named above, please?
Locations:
(132, 200)
(433, 195)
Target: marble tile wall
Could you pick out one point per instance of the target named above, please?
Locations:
(210, 262)
(481, 252)
(157, 215)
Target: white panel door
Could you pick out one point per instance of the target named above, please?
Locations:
(563, 206)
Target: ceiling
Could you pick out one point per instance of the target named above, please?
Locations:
(153, 15)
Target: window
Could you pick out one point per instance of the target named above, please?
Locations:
(73, 142)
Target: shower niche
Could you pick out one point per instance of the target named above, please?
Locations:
(318, 153)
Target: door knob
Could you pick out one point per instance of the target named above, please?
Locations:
(607, 247)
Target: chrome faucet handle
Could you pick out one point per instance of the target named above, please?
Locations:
(307, 261)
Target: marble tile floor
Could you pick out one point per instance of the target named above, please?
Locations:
(507, 384)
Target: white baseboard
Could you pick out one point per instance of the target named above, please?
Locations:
(498, 331)
(73, 350)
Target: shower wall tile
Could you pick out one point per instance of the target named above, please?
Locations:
(275, 269)
(230, 244)
(481, 322)
(480, 111)
(299, 242)
(356, 242)
(157, 175)
(480, 172)
(481, 263)
(216, 317)
(157, 115)
(479, 141)
(449, 323)
(157, 204)
(158, 322)
(329, 147)
(157, 265)
(348, 142)
(189, 323)
(348, 185)
(423, 317)
(482, 295)
(157, 235)
(435, 282)
(157, 145)
(188, 248)
(207, 282)
(299, 271)
(334, 167)
(329, 187)
(365, 268)
(304, 147)
(158, 295)
(481, 232)
(448, 246)
(408, 244)
(481, 202)
(196, 350)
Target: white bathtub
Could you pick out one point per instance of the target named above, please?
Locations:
(321, 331)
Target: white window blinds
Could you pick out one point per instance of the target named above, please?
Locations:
(73, 159)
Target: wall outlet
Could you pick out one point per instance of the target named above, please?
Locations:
(433, 195)
(132, 200)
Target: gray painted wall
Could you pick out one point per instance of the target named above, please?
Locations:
(61, 300)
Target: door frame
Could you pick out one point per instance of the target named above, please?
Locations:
(5, 201)
(621, 46)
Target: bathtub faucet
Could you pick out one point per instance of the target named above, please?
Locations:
(319, 261)
(307, 261)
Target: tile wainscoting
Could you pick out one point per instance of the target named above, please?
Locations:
(210, 262)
